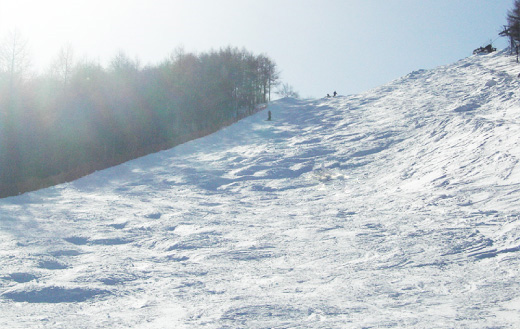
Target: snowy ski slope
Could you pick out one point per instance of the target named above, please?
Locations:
(396, 208)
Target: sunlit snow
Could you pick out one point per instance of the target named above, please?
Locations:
(399, 207)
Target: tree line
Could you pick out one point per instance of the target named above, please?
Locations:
(80, 116)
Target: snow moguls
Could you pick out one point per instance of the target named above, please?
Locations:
(395, 208)
(51, 265)
(54, 295)
(106, 241)
(21, 277)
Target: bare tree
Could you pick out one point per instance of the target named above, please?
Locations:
(63, 65)
(268, 75)
(121, 63)
(14, 65)
(286, 90)
(273, 76)
(14, 57)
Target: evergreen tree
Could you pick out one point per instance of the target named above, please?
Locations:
(513, 27)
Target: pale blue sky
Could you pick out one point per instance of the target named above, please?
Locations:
(319, 45)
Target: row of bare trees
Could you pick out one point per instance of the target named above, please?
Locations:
(81, 116)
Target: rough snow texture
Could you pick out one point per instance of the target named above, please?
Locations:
(398, 207)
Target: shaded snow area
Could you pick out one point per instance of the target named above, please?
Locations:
(396, 208)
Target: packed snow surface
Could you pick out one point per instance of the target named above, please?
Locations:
(399, 207)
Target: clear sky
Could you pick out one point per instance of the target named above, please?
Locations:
(319, 45)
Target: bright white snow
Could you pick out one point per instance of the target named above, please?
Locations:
(398, 207)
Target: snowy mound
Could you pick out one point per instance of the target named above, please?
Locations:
(398, 207)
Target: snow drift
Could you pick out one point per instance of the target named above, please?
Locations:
(398, 207)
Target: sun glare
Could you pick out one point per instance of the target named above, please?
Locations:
(37, 22)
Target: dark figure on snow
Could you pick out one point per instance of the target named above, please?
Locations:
(335, 93)
(268, 115)
(328, 96)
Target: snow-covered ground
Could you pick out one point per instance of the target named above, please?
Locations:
(399, 207)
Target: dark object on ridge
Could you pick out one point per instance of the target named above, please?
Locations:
(335, 93)
(268, 115)
(484, 50)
